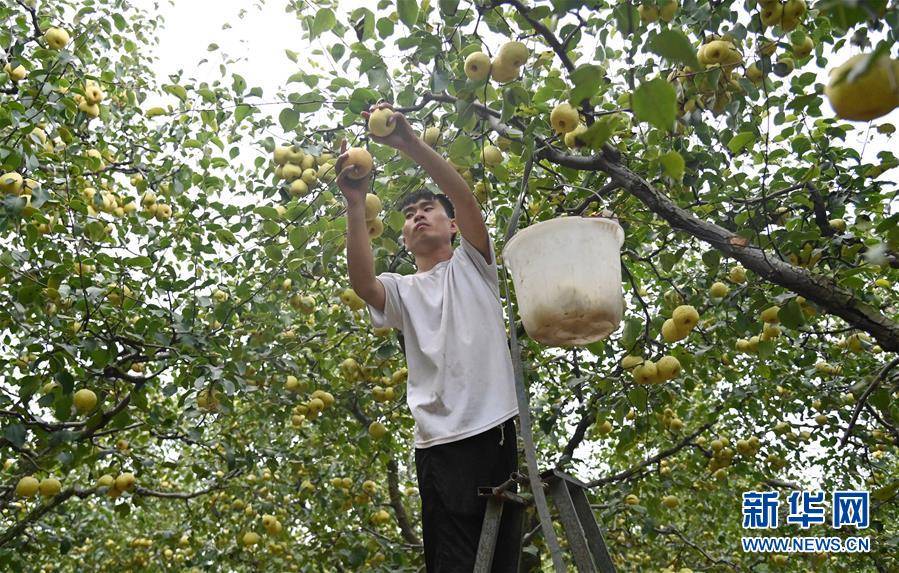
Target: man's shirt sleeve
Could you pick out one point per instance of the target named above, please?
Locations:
(487, 271)
(392, 316)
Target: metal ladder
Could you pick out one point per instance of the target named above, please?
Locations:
(588, 548)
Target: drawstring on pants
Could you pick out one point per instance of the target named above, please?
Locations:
(502, 435)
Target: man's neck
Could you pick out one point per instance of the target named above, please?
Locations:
(428, 261)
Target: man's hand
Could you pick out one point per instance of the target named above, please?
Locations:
(353, 189)
(402, 138)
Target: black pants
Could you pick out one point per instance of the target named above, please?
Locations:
(452, 513)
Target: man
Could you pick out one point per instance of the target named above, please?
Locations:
(460, 386)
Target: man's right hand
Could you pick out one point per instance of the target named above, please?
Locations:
(353, 189)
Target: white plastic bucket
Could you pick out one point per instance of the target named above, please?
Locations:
(567, 275)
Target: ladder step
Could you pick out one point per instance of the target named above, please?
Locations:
(588, 547)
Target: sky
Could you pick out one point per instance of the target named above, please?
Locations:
(259, 32)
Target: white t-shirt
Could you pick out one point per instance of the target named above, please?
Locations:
(460, 380)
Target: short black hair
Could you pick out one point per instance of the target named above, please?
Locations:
(425, 195)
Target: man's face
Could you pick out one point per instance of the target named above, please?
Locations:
(427, 225)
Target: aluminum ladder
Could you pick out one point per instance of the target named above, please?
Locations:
(585, 540)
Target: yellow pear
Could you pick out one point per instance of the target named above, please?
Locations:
(771, 14)
(431, 135)
(373, 206)
(502, 71)
(27, 486)
(49, 487)
(563, 118)
(648, 14)
(377, 430)
(868, 96)
(671, 333)
(477, 66)
(375, 229)
(514, 53)
(84, 400)
(492, 155)
(668, 10)
(668, 367)
(358, 162)
(16, 74)
(571, 138)
(57, 38)
(378, 122)
(686, 317)
(719, 290)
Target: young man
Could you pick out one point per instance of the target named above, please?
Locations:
(460, 386)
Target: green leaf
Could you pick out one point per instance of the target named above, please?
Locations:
(586, 79)
(461, 150)
(274, 252)
(791, 315)
(674, 46)
(15, 433)
(324, 21)
(598, 133)
(740, 141)
(242, 111)
(140, 262)
(177, 91)
(655, 102)
(408, 11)
(297, 237)
(637, 397)
(292, 55)
(632, 328)
(385, 27)
(306, 103)
(288, 118)
(674, 165)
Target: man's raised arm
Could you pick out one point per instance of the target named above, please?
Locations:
(360, 261)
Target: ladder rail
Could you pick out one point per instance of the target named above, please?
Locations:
(521, 393)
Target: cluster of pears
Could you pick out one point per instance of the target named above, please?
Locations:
(13, 183)
(16, 74)
(117, 485)
(651, 12)
(303, 303)
(722, 457)
(28, 486)
(153, 208)
(505, 67)
(302, 170)
(105, 201)
(770, 331)
(384, 391)
(349, 297)
(649, 372)
(682, 321)
(271, 524)
(351, 370)
(699, 90)
(380, 517)
(318, 402)
(867, 96)
(89, 103)
(373, 207)
(788, 15)
(208, 399)
(671, 421)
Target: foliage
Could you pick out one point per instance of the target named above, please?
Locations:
(186, 320)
